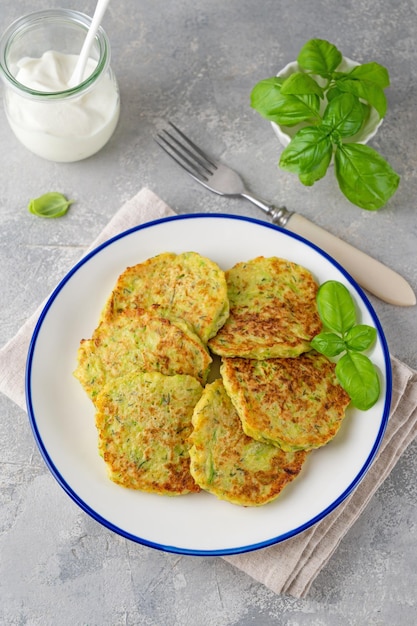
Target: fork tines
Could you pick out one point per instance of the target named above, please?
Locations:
(185, 152)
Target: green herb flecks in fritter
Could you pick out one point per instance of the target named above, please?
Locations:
(143, 422)
(186, 286)
(296, 404)
(228, 463)
(138, 340)
(273, 310)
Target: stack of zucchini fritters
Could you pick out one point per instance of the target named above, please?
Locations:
(166, 423)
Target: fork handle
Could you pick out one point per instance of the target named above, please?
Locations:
(367, 271)
(377, 278)
(278, 214)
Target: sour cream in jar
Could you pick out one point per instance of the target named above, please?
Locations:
(62, 129)
(49, 116)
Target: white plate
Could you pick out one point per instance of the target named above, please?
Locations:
(62, 416)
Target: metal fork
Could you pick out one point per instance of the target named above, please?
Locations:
(368, 272)
(212, 174)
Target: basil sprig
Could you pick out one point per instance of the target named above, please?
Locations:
(355, 371)
(332, 106)
(51, 204)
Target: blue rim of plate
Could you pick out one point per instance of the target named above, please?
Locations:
(223, 551)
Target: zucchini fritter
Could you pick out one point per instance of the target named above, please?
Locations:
(296, 404)
(143, 422)
(162, 428)
(187, 286)
(138, 340)
(273, 310)
(228, 463)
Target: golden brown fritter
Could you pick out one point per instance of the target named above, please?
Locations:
(140, 340)
(187, 286)
(228, 463)
(147, 362)
(296, 404)
(273, 310)
(143, 422)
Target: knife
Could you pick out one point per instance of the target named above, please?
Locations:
(371, 274)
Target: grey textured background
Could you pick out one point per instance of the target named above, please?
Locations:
(195, 62)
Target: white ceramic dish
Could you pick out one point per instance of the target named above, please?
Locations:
(62, 417)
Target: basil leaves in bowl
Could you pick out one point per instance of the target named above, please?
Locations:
(324, 108)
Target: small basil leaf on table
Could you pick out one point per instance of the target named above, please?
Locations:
(51, 204)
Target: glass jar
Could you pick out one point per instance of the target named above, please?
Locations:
(38, 53)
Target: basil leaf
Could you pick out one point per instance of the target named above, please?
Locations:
(52, 204)
(287, 110)
(309, 150)
(296, 109)
(319, 57)
(309, 178)
(359, 378)
(301, 84)
(332, 93)
(355, 372)
(266, 94)
(366, 90)
(336, 307)
(317, 171)
(360, 337)
(364, 177)
(345, 114)
(371, 73)
(328, 344)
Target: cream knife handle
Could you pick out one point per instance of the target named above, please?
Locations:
(368, 272)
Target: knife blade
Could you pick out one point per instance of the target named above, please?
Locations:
(369, 273)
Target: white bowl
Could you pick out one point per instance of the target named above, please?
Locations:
(286, 133)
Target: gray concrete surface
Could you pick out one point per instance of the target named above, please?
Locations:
(195, 63)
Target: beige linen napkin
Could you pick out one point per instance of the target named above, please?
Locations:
(289, 567)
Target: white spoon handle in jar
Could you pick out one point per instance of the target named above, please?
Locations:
(78, 73)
